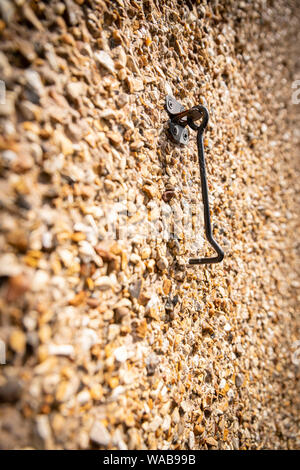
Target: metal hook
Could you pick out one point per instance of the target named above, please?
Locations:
(179, 120)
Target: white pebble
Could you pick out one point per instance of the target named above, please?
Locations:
(121, 354)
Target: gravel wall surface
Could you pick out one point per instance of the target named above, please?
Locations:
(111, 340)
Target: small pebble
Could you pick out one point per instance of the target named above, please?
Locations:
(99, 434)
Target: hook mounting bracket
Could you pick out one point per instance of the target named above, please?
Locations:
(177, 130)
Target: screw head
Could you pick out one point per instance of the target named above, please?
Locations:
(175, 130)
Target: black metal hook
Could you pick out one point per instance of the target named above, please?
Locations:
(179, 120)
